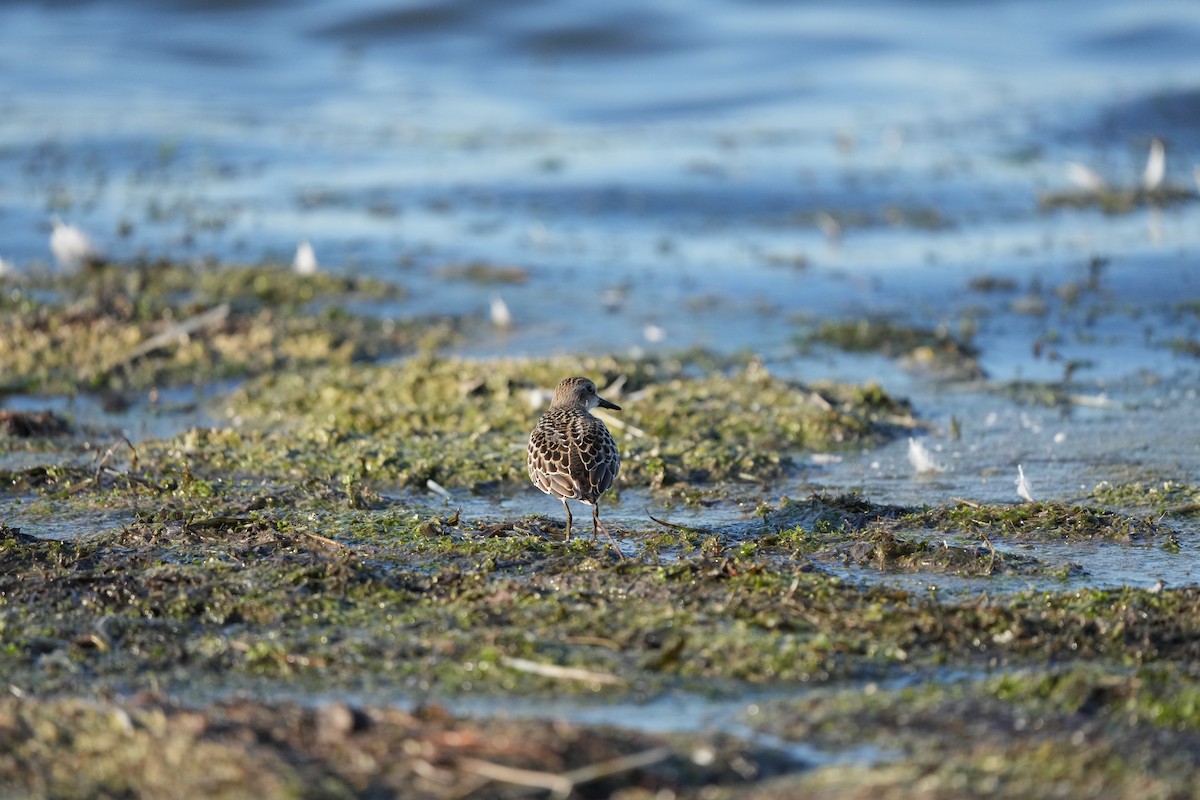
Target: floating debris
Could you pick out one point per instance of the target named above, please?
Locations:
(305, 260)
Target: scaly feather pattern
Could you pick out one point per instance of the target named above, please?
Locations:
(572, 456)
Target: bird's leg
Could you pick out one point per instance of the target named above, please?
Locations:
(597, 526)
(568, 509)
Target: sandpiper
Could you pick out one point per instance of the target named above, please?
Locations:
(572, 456)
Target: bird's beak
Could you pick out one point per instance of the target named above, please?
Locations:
(605, 404)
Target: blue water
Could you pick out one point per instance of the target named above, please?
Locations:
(679, 147)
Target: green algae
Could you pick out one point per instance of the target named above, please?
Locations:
(1067, 733)
(128, 326)
(933, 352)
(463, 424)
(1159, 695)
(1117, 200)
(1172, 498)
(263, 556)
(1039, 520)
(850, 530)
(313, 587)
(287, 591)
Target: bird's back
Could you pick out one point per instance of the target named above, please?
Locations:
(572, 455)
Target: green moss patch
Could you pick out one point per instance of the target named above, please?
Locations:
(1117, 200)
(347, 599)
(850, 530)
(1081, 732)
(465, 424)
(137, 326)
(1168, 497)
(923, 350)
(1054, 521)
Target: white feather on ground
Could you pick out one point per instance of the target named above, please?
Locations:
(1156, 166)
(1024, 490)
(921, 459)
(501, 316)
(305, 260)
(72, 248)
(1085, 177)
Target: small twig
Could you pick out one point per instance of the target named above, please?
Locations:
(992, 560)
(598, 641)
(615, 766)
(963, 502)
(561, 785)
(109, 454)
(127, 476)
(174, 333)
(820, 402)
(621, 425)
(325, 540)
(665, 524)
(438, 489)
(561, 673)
(217, 523)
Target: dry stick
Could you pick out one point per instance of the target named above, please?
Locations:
(598, 641)
(685, 528)
(560, 673)
(325, 540)
(621, 425)
(172, 334)
(109, 453)
(614, 766)
(992, 560)
(561, 785)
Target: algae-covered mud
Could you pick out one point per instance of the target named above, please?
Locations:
(898, 301)
(343, 578)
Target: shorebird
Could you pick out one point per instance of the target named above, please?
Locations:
(572, 456)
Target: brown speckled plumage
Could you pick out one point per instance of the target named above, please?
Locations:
(572, 456)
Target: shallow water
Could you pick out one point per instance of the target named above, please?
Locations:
(678, 155)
